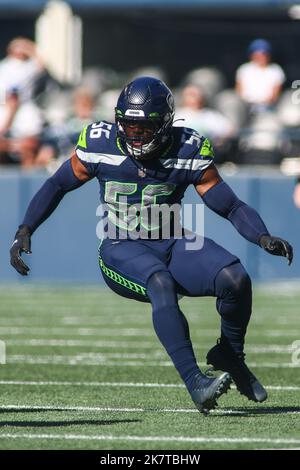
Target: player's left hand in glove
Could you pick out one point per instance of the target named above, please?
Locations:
(277, 246)
(21, 244)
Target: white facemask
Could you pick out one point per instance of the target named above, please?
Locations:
(143, 152)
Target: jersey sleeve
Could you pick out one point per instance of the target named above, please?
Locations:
(202, 159)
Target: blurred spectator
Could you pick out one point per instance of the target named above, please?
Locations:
(20, 119)
(230, 105)
(148, 71)
(106, 104)
(259, 81)
(209, 79)
(206, 121)
(59, 140)
(262, 142)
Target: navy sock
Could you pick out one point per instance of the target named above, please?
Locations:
(171, 326)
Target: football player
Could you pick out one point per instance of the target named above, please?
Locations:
(143, 158)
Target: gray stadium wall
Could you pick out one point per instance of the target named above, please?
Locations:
(65, 246)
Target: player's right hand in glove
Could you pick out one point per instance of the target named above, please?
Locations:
(21, 244)
(277, 246)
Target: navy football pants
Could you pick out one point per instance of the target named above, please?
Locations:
(127, 265)
(157, 271)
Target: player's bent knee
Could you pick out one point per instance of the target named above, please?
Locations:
(161, 280)
(234, 281)
(161, 289)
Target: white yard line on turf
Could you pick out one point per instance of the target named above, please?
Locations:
(92, 359)
(101, 356)
(122, 384)
(31, 321)
(83, 342)
(80, 323)
(257, 349)
(83, 437)
(75, 331)
(104, 332)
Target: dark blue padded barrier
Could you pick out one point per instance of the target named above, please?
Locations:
(65, 246)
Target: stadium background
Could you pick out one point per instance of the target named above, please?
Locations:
(83, 368)
(124, 36)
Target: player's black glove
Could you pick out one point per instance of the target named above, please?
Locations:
(277, 246)
(22, 243)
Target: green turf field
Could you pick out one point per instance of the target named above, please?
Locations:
(85, 371)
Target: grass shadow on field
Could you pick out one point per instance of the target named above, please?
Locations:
(46, 424)
(256, 411)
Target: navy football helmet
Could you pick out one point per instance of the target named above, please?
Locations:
(144, 116)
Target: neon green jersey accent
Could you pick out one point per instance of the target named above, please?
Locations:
(207, 149)
(82, 138)
(133, 286)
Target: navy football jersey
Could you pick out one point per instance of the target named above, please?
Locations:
(126, 182)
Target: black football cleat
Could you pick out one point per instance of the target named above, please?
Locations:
(222, 357)
(207, 390)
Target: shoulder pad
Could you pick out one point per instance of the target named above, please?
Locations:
(97, 137)
(191, 144)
